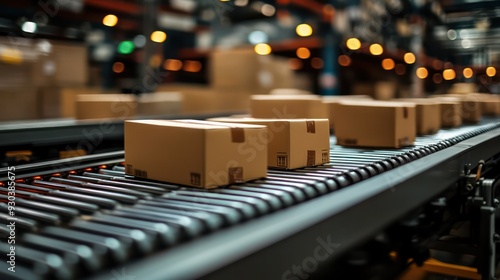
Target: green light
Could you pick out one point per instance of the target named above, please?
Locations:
(126, 47)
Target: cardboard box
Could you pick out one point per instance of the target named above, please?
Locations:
(289, 91)
(428, 114)
(375, 124)
(194, 153)
(243, 68)
(60, 102)
(451, 111)
(18, 103)
(333, 99)
(288, 107)
(105, 106)
(490, 107)
(71, 64)
(198, 99)
(471, 110)
(292, 143)
(159, 103)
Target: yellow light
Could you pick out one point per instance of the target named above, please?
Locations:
(468, 72)
(303, 53)
(192, 66)
(344, 60)
(11, 55)
(158, 36)
(422, 72)
(388, 64)
(262, 49)
(353, 44)
(295, 63)
(437, 78)
(400, 69)
(172, 65)
(376, 49)
(118, 67)
(317, 63)
(491, 71)
(304, 30)
(110, 20)
(449, 74)
(409, 58)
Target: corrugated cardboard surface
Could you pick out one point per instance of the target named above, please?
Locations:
(105, 106)
(194, 153)
(292, 143)
(428, 114)
(375, 124)
(288, 107)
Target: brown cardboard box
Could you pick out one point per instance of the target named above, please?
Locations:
(194, 153)
(375, 124)
(71, 64)
(68, 99)
(159, 103)
(105, 106)
(18, 103)
(292, 143)
(471, 110)
(289, 91)
(490, 104)
(288, 107)
(490, 107)
(333, 99)
(202, 99)
(451, 111)
(243, 68)
(428, 114)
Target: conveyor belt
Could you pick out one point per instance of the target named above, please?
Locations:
(89, 219)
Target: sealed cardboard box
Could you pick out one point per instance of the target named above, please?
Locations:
(243, 68)
(105, 106)
(471, 110)
(292, 143)
(428, 114)
(194, 153)
(375, 124)
(490, 104)
(159, 103)
(60, 102)
(451, 111)
(333, 99)
(288, 107)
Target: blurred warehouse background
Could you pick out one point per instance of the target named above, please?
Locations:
(391, 48)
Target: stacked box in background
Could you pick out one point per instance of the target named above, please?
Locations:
(244, 69)
(288, 107)
(159, 103)
(105, 106)
(194, 153)
(292, 143)
(375, 123)
(330, 101)
(18, 103)
(428, 114)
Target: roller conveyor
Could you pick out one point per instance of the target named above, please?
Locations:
(83, 218)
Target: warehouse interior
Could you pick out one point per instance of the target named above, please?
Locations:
(101, 103)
